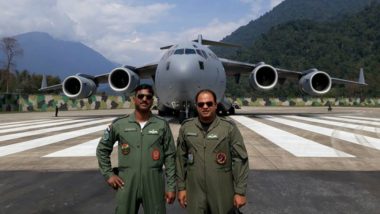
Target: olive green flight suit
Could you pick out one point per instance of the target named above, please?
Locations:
(212, 166)
(141, 156)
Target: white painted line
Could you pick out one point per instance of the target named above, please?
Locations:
(87, 149)
(31, 144)
(352, 120)
(45, 124)
(29, 123)
(363, 118)
(18, 122)
(296, 145)
(339, 124)
(47, 130)
(342, 135)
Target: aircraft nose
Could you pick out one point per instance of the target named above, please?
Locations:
(184, 72)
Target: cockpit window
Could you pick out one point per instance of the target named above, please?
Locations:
(195, 46)
(189, 51)
(179, 51)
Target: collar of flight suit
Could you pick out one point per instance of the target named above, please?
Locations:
(132, 119)
(214, 124)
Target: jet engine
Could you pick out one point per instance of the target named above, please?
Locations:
(78, 87)
(123, 80)
(264, 77)
(315, 83)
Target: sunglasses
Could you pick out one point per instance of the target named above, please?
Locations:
(208, 104)
(141, 96)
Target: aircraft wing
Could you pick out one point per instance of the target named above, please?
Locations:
(145, 71)
(234, 68)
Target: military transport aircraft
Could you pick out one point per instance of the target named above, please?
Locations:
(186, 68)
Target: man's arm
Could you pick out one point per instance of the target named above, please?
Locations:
(169, 154)
(181, 161)
(104, 150)
(240, 167)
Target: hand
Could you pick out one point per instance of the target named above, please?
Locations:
(115, 182)
(239, 200)
(182, 199)
(170, 197)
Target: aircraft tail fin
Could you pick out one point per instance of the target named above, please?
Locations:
(43, 82)
(361, 77)
(202, 41)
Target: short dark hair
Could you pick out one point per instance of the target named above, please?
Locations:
(205, 91)
(144, 86)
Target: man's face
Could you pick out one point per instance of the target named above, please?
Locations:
(206, 106)
(143, 100)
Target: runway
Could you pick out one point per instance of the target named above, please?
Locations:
(281, 142)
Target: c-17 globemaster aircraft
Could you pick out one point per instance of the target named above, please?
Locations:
(189, 67)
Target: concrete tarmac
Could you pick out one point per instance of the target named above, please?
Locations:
(328, 171)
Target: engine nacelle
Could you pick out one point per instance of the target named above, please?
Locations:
(78, 87)
(264, 77)
(315, 83)
(123, 80)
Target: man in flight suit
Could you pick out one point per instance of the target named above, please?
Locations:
(145, 144)
(212, 162)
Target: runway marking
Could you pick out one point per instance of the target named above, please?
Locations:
(28, 124)
(16, 123)
(339, 124)
(33, 126)
(363, 118)
(352, 120)
(60, 128)
(342, 135)
(87, 149)
(292, 143)
(31, 144)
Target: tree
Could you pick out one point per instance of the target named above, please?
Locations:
(10, 47)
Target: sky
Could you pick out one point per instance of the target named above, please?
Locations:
(130, 31)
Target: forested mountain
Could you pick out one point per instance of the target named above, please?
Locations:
(290, 10)
(45, 54)
(340, 48)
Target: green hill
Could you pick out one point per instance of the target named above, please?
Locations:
(341, 48)
(291, 10)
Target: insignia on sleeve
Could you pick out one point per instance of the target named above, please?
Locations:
(221, 158)
(106, 134)
(125, 149)
(190, 158)
(156, 154)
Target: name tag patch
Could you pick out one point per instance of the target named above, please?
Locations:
(130, 129)
(191, 134)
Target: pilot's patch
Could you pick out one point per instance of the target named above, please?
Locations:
(156, 154)
(221, 158)
(212, 136)
(153, 131)
(125, 149)
(191, 134)
(130, 129)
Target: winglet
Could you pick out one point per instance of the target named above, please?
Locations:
(361, 77)
(43, 82)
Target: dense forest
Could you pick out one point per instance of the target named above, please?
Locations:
(339, 47)
(24, 82)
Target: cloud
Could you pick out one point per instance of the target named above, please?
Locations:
(119, 29)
